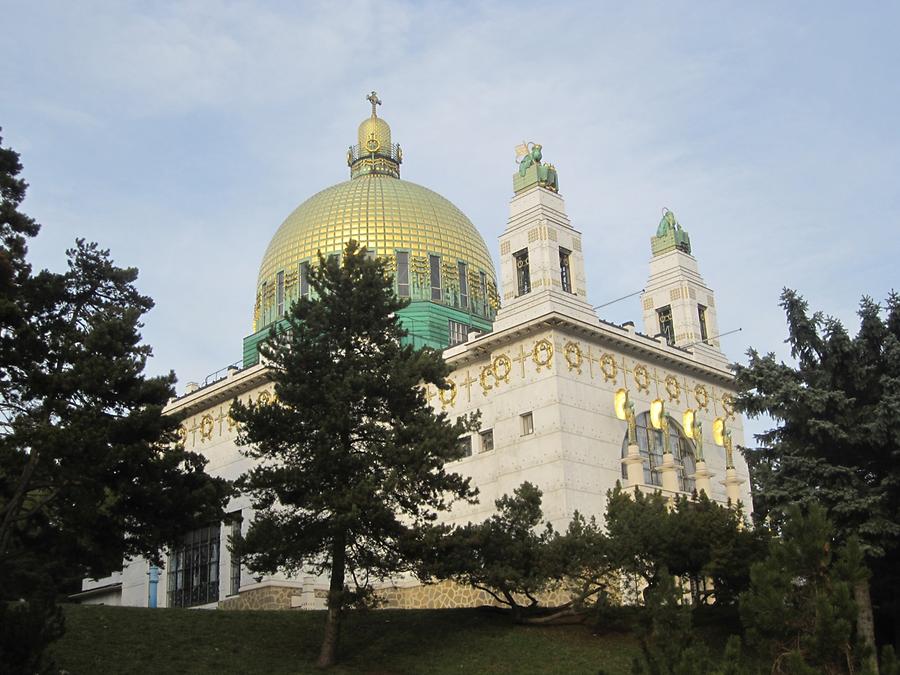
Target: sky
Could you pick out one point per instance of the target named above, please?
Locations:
(181, 134)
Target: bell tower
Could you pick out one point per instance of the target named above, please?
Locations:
(677, 303)
(541, 262)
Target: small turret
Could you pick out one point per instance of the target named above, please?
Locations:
(677, 303)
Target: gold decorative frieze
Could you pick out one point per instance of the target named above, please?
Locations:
(573, 356)
(673, 388)
(728, 405)
(542, 354)
(501, 367)
(609, 367)
(701, 396)
(448, 396)
(642, 378)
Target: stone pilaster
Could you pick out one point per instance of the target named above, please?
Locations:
(634, 466)
(702, 478)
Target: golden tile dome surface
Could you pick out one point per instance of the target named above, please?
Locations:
(386, 214)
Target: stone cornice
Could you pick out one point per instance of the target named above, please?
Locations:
(226, 389)
(623, 339)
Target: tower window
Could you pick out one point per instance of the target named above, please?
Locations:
(565, 272)
(523, 276)
(487, 440)
(435, 266)
(463, 285)
(666, 327)
(459, 332)
(403, 274)
(701, 312)
(279, 294)
(482, 287)
(304, 280)
(527, 421)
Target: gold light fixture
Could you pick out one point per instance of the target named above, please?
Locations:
(687, 422)
(719, 431)
(620, 401)
(657, 410)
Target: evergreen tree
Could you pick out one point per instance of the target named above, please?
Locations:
(837, 439)
(799, 611)
(90, 470)
(507, 555)
(352, 456)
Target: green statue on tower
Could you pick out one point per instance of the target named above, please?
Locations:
(532, 171)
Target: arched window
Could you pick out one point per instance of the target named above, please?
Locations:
(650, 444)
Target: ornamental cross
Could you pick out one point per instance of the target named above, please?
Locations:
(374, 100)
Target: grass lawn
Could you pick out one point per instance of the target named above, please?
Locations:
(385, 642)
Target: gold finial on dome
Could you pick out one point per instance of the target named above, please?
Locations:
(374, 100)
(374, 152)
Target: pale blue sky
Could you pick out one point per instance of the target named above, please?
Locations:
(180, 135)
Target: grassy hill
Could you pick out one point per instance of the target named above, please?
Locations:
(131, 640)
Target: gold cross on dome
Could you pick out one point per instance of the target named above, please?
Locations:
(374, 100)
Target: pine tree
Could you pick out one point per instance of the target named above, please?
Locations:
(90, 469)
(799, 611)
(837, 439)
(351, 455)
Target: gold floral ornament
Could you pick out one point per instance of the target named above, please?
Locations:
(574, 358)
(728, 405)
(501, 367)
(206, 427)
(486, 372)
(701, 396)
(264, 398)
(673, 388)
(542, 354)
(609, 368)
(182, 434)
(642, 378)
(448, 395)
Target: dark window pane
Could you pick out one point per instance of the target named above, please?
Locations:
(403, 274)
(435, 267)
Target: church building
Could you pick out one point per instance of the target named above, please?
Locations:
(568, 401)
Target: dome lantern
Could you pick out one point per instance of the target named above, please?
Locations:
(374, 152)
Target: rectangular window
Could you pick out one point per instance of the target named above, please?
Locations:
(482, 287)
(565, 273)
(522, 274)
(463, 285)
(194, 569)
(465, 446)
(304, 280)
(666, 327)
(403, 274)
(487, 440)
(234, 524)
(435, 265)
(527, 420)
(459, 332)
(279, 294)
(701, 311)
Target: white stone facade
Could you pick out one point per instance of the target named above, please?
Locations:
(548, 357)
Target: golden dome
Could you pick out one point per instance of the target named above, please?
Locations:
(387, 215)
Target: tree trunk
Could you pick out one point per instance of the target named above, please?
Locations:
(865, 623)
(328, 654)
